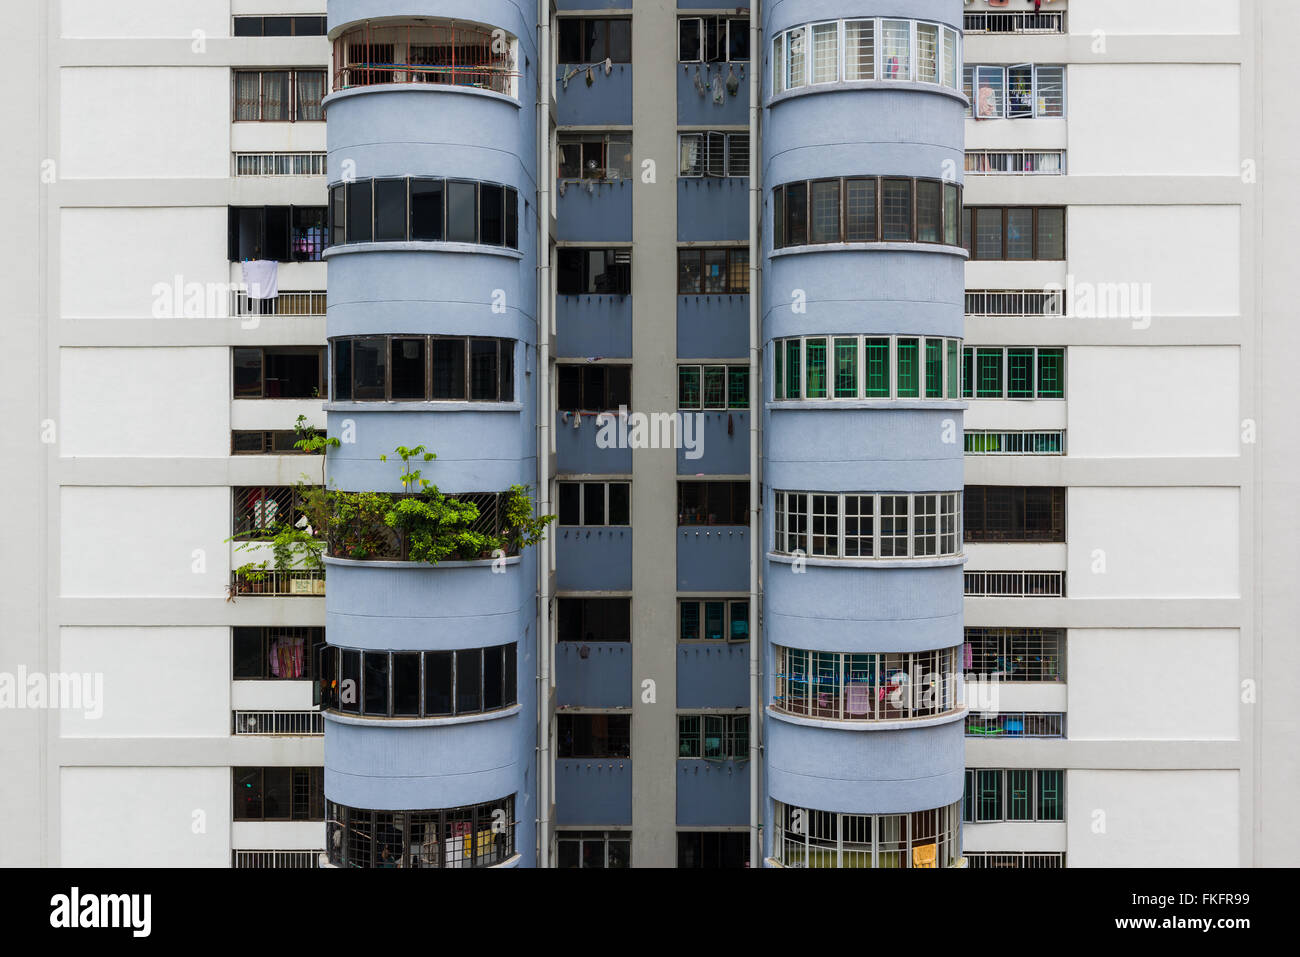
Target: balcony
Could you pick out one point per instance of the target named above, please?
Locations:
(450, 54)
(594, 210)
(588, 96)
(712, 793)
(308, 722)
(593, 791)
(1016, 724)
(1043, 442)
(713, 558)
(1018, 584)
(274, 582)
(712, 209)
(593, 324)
(713, 94)
(594, 674)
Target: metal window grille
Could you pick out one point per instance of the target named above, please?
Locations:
(480, 835)
(1016, 724)
(983, 860)
(452, 54)
(1015, 162)
(1015, 584)
(262, 507)
(276, 859)
(259, 442)
(279, 164)
(981, 442)
(271, 581)
(713, 154)
(294, 723)
(715, 737)
(1017, 654)
(804, 837)
(845, 686)
(1014, 303)
(994, 795)
(1006, 21)
(279, 96)
(919, 525)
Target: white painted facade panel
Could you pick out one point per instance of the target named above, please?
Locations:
(145, 18)
(1157, 17)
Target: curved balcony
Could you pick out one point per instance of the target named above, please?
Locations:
(881, 688)
(479, 835)
(888, 528)
(454, 53)
(804, 837)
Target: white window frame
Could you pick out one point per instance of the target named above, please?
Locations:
(1004, 74)
(704, 151)
(728, 20)
(861, 367)
(943, 67)
(948, 513)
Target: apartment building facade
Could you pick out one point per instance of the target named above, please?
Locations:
(948, 333)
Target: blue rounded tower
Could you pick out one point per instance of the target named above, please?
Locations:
(431, 701)
(862, 318)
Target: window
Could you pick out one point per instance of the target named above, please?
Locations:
(1024, 91)
(1018, 22)
(713, 154)
(414, 684)
(1016, 654)
(279, 27)
(259, 442)
(261, 507)
(277, 372)
(275, 653)
(713, 849)
(279, 96)
(713, 736)
(1015, 724)
(594, 40)
(593, 735)
(593, 619)
(279, 794)
(447, 53)
(859, 367)
(602, 157)
(1013, 795)
(480, 835)
(868, 210)
(1015, 232)
(1015, 162)
(282, 233)
(279, 164)
(594, 387)
(871, 49)
(593, 271)
(595, 503)
(422, 369)
(712, 387)
(424, 210)
(872, 686)
(803, 837)
(1018, 372)
(712, 503)
(909, 525)
(997, 513)
(989, 442)
(713, 39)
(1019, 303)
(598, 849)
(713, 619)
(721, 271)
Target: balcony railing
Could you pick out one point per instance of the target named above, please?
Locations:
(284, 723)
(276, 859)
(272, 581)
(1014, 303)
(1015, 584)
(1051, 442)
(307, 302)
(1016, 724)
(1006, 21)
(279, 164)
(450, 54)
(1015, 162)
(983, 860)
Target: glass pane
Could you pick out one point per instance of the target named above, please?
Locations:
(1020, 233)
(929, 212)
(491, 215)
(369, 356)
(437, 682)
(469, 679)
(493, 676)
(408, 368)
(896, 49)
(738, 387)
(859, 50)
(688, 271)
(934, 368)
(375, 682)
(462, 218)
(860, 210)
(825, 52)
(876, 355)
(951, 214)
(796, 214)
(909, 372)
(1051, 233)
(846, 368)
(406, 684)
(390, 210)
(715, 387)
(795, 62)
(483, 376)
(715, 270)
(1018, 795)
(448, 369)
(793, 367)
(988, 374)
(954, 369)
(1020, 373)
(826, 212)
(896, 210)
(988, 232)
(714, 619)
(816, 359)
(690, 620)
(593, 503)
(927, 52)
(359, 230)
(1051, 373)
(688, 387)
(620, 503)
(426, 209)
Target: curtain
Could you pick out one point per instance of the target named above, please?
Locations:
(311, 87)
(275, 99)
(246, 96)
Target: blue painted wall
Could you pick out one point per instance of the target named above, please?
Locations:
(601, 680)
(713, 327)
(593, 559)
(712, 209)
(593, 326)
(712, 793)
(593, 792)
(713, 558)
(713, 675)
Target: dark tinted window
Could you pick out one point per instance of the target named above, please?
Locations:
(359, 212)
(406, 684)
(426, 209)
(469, 677)
(448, 368)
(390, 209)
(461, 211)
(408, 369)
(437, 682)
(491, 215)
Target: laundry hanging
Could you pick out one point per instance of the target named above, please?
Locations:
(261, 278)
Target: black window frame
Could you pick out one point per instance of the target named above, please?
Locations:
(580, 614)
(566, 489)
(982, 503)
(566, 26)
(732, 372)
(275, 227)
(431, 663)
(734, 255)
(575, 261)
(299, 26)
(263, 352)
(973, 214)
(342, 357)
(784, 221)
(291, 94)
(310, 808)
(339, 208)
(264, 636)
(721, 40)
(616, 736)
(737, 502)
(614, 389)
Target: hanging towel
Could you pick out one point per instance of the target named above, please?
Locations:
(261, 278)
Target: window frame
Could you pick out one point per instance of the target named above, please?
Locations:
(584, 140)
(732, 270)
(505, 370)
(969, 361)
(582, 21)
(734, 497)
(947, 39)
(791, 538)
(729, 620)
(974, 813)
(582, 502)
(291, 92)
(976, 213)
(263, 352)
(781, 211)
(338, 210)
(980, 509)
(1036, 110)
(329, 671)
(733, 735)
(614, 256)
(731, 372)
(865, 346)
(705, 151)
(315, 802)
(723, 36)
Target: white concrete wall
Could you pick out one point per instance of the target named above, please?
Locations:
(1153, 401)
(111, 259)
(158, 682)
(1152, 818)
(1154, 17)
(1157, 542)
(141, 541)
(1015, 836)
(1153, 684)
(1142, 119)
(278, 835)
(1187, 254)
(145, 817)
(145, 402)
(140, 122)
(145, 18)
